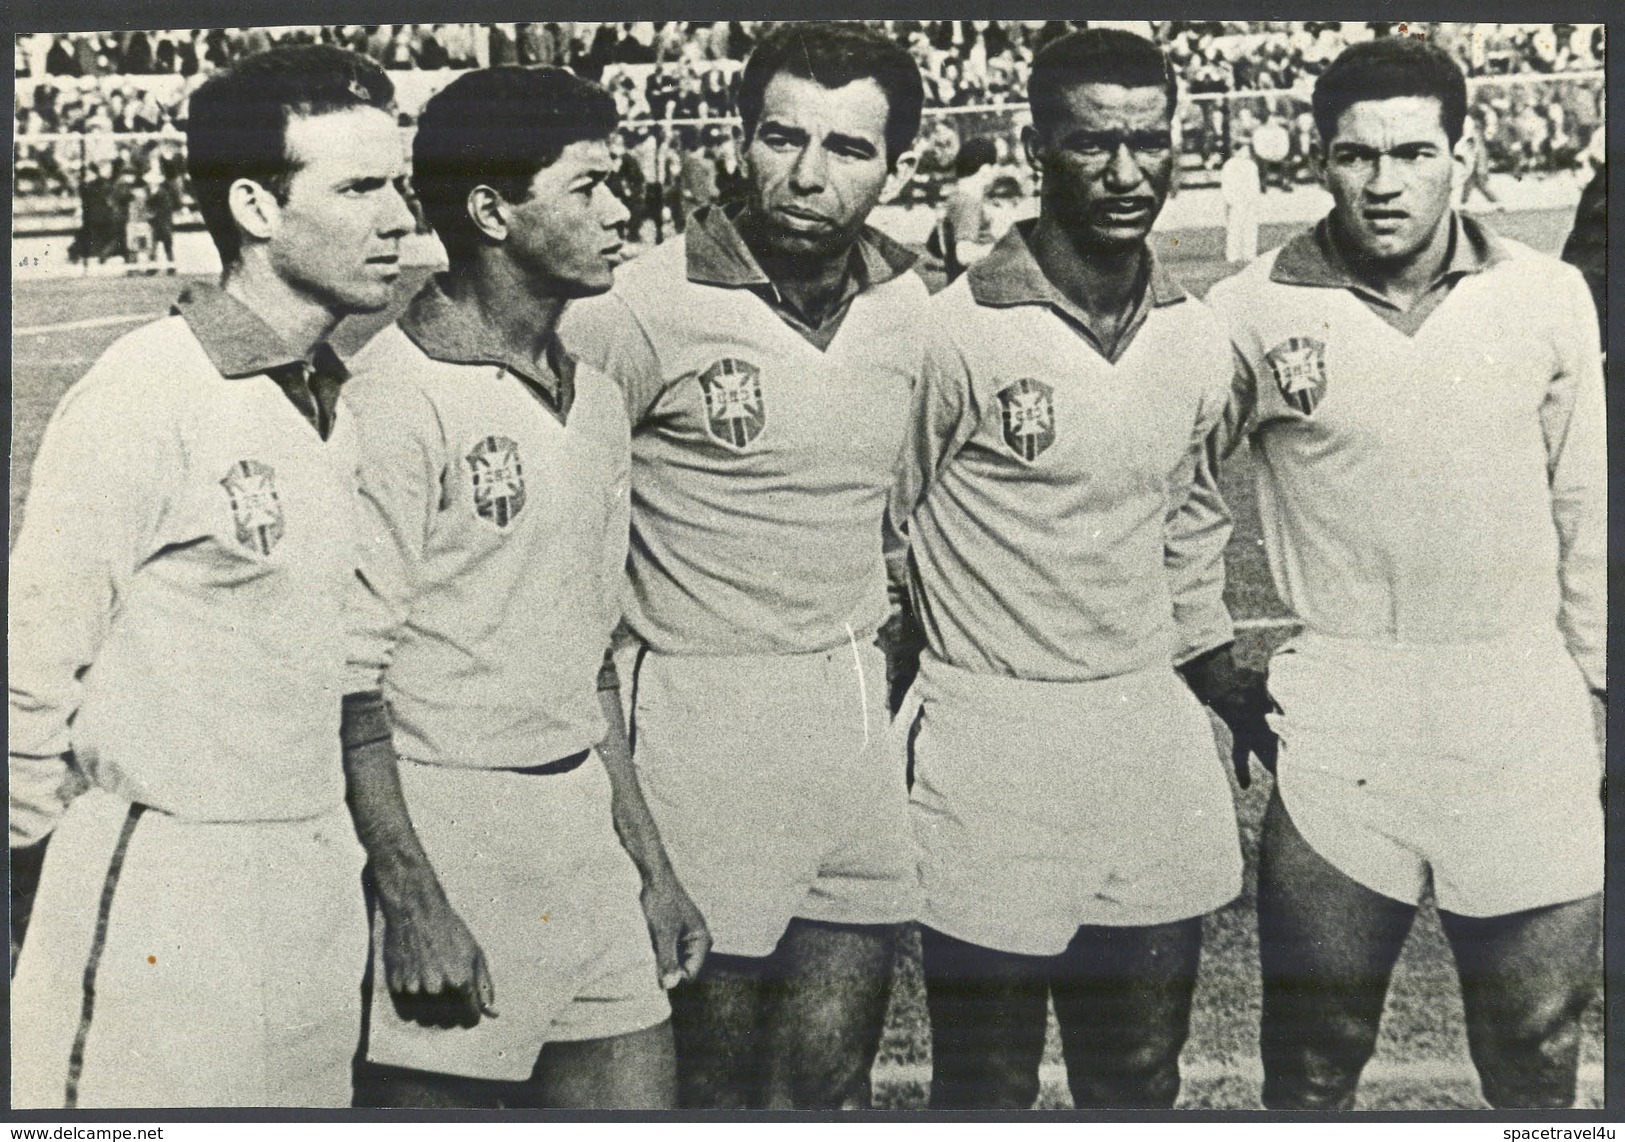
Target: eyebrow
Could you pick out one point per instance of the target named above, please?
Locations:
(1108, 140)
(833, 139)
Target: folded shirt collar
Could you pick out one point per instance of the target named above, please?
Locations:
(1315, 257)
(238, 342)
(454, 334)
(1010, 275)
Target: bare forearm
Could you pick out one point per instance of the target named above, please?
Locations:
(400, 867)
(634, 824)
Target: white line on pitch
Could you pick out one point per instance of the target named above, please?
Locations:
(1267, 624)
(87, 323)
(1378, 1073)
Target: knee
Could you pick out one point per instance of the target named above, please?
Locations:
(1531, 1062)
(1144, 1076)
(1314, 1063)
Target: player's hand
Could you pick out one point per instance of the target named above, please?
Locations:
(681, 939)
(901, 640)
(1241, 698)
(434, 967)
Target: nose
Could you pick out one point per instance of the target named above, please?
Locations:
(810, 171)
(1122, 172)
(1385, 181)
(612, 212)
(397, 219)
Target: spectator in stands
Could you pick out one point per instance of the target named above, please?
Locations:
(964, 233)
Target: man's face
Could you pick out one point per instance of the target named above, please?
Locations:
(566, 233)
(817, 164)
(1389, 167)
(337, 236)
(1107, 161)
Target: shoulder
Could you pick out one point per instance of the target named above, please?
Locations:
(1242, 288)
(150, 374)
(389, 388)
(651, 276)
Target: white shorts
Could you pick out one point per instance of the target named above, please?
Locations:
(778, 785)
(533, 866)
(1040, 807)
(1475, 763)
(181, 963)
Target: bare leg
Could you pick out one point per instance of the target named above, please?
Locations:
(826, 1007)
(635, 1071)
(988, 1017)
(716, 1022)
(1327, 946)
(1525, 980)
(1123, 1000)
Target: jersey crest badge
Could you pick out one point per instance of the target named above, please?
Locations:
(255, 506)
(734, 410)
(499, 479)
(1027, 409)
(1299, 364)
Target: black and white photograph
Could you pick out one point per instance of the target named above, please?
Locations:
(809, 565)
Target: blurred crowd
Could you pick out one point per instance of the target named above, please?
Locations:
(1249, 80)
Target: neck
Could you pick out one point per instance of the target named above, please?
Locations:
(299, 321)
(810, 281)
(1098, 282)
(1402, 280)
(508, 302)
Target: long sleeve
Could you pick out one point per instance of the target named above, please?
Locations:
(401, 449)
(1197, 530)
(1573, 422)
(97, 494)
(941, 419)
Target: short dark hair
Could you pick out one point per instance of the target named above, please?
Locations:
(237, 123)
(497, 127)
(974, 155)
(1095, 55)
(1391, 68)
(833, 54)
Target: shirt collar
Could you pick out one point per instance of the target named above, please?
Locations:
(452, 333)
(237, 341)
(1010, 275)
(1314, 258)
(718, 255)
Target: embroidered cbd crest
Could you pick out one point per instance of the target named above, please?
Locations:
(1028, 412)
(734, 410)
(499, 479)
(1300, 371)
(255, 506)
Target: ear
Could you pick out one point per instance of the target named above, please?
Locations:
(1029, 146)
(254, 208)
(897, 178)
(1317, 163)
(488, 210)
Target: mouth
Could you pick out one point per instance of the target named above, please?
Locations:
(1384, 221)
(799, 218)
(386, 263)
(612, 254)
(1124, 211)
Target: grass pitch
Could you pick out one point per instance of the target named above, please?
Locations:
(1421, 1061)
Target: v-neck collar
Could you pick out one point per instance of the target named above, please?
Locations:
(1011, 276)
(718, 255)
(1314, 258)
(448, 332)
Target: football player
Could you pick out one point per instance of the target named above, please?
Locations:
(490, 790)
(766, 358)
(1424, 403)
(178, 597)
(1066, 553)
